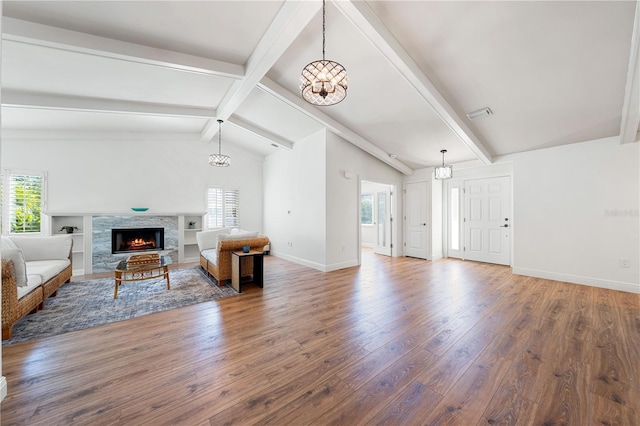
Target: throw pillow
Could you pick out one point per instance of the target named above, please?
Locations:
(20, 266)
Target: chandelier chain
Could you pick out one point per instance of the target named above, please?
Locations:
(323, 28)
(219, 136)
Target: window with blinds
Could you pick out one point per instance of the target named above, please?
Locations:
(22, 202)
(222, 208)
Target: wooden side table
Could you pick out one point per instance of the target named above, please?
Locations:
(237, 272)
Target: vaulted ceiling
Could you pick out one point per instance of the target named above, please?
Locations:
(553, 73)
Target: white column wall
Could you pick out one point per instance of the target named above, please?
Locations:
(295, 201)
(346, 166)
(111, 176)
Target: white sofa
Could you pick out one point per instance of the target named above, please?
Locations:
(33, 268)
(217, 245)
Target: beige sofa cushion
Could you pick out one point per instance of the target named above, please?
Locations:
(43, 270)
(44, 248)
(34, 285)
(211, 255)
(19, 264)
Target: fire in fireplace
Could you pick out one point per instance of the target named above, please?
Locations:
(137, 239)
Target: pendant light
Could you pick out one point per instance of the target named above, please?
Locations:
(444, 172)
(219, 159)
(324, 82)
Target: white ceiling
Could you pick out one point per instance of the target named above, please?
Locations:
(553, 73)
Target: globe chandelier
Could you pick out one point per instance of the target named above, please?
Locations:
(219, 159)
(324, 82)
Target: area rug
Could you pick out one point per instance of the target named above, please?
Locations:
(85, 304)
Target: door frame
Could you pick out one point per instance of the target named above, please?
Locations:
(482, 172)
(393, 213)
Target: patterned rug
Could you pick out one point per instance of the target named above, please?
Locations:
(85, 304)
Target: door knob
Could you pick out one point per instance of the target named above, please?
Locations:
(504, 226)
(424, 224)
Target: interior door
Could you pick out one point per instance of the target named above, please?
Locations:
(487, 226)
(416, 220)
(383, 231)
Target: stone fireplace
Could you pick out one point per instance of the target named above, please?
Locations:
(103, 258)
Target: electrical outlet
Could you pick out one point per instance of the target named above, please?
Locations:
(625, 262)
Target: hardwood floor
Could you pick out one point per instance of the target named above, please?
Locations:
(397, 341)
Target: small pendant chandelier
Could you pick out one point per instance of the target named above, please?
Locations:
(219, 159)
(444, 172)
(324, 82)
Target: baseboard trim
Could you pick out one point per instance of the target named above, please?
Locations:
(298, 260)
(576, 279)
(314, 265)
(341, 265)
(437, 256)
(3, 388)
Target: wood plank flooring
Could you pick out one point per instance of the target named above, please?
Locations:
(397, 341)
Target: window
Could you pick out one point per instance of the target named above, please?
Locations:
(23, 200)
(222, 208)
(366, 209)
(454, 219)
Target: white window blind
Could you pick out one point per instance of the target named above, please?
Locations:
(23, 204)
(222, 207)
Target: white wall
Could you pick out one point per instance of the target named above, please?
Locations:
(295, 201)
(576, 213)
(111, 176)
(343, 200)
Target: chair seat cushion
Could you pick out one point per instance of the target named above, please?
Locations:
(211, 255)
(32, 284)
(41, 271)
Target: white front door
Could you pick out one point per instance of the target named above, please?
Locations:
(416, 220)
(383, 231)
(487, 220)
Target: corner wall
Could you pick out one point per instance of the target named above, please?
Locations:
(295, 201)
(346, 166)
(312, 203)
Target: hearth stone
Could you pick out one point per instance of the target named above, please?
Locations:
(103, 260)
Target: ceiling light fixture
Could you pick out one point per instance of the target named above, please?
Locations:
(444, 171)
(219, 159)
(480, 113)
(324, 82)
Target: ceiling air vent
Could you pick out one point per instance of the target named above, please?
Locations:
(480, 113)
